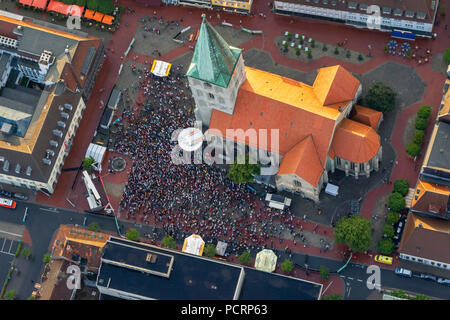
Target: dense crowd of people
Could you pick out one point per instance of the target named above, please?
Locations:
(188, 198)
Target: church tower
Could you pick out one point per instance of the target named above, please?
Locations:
(215, 74)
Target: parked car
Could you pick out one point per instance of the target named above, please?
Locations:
(428, 276)
(403, 272)
(443, 281)
(5, 193)
(21, 196)
(383, 259)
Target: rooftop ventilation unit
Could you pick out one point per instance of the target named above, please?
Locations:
(68, 106)
(54, 143)
(6, 166)
(8, 42)
(50, 152)
(65, 115)
(28, 172)
(46, 57)
(47, 161)
(17, 168)
(58, 133)
(61, 124)
(60, 107)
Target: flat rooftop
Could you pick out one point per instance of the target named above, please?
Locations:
(440, 151)
(173, 276)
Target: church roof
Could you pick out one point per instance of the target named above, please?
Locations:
(214, 60)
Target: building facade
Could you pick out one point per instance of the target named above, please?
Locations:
(297, 132)
(415, 16)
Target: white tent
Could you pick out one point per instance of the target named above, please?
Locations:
(332, 189)
(97, 152)
(266, 260)
(221, 248)
(194, 244)
(161, 68)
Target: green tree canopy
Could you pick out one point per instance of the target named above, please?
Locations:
(168, 241)
(10, 295)
(245, 258)
(241, 173)
(447, 55)
(380, 97)
(392, 217)
(132, 234)
(94, 226)
(388, 231)
(421, 123)
(421, 297)
(26, 253)
(396, 202)
(413, 149)
(67, 1)
(385, 246)
(87, 163)
(324, 273)
(419, 136)
(287, 266)
(354, 231)
(210, 250)
(106, 6)
(31, 298)
(93, 4)
(398, 293)
(424, 112)
(80, 3)
(332, 296)
(46, 258)
(401, 186)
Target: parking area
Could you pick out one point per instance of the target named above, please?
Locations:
(8, 246)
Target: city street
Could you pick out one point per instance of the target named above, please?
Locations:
(43, 221)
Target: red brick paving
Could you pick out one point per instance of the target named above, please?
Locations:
(273, 26)
(26, 237)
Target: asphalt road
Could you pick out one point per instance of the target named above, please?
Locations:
(43, 221)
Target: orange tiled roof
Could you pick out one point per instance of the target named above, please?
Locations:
(367, 116)
(445, 103)
(431, 198)
(304, 161)
(355, 142)
(335, 84)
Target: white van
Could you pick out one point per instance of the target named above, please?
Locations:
(403, 272)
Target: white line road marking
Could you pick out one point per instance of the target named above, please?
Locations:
(13, 234)
(359, 280)
(10, 254)
(10, 246)
(50, 210)
(350, 278)
(4, 241)
(349, 289)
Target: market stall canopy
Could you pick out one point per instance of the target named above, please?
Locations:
(98, 16)
(96, 151)
(266, 260)
(41, 4)
(107, 19)
(221, 248)
(76, 11)
(58, 7)
(26, 2)
(194, 244)
(161, 68)
(89, 14)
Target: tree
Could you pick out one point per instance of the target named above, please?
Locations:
(324, 273)
(419, 136)
(388, 231)
(398, 293)
(26, 253)
(324, 47)
(106, 6)
(413, 149)
(297, 51)
(31, 298)
(396, 202)
(392, 217)
(93, 4)
(309, 54)
(245, 258)
(424, 112)
(10, 295)
(241, 173)
(210, 250)
(46, 258)
(94, 226)
(354, 231)
(132, 234)
(81, 3)
(348, 53)
(87, 163)
(332, 296)
(67, 1)
(401, 186)
(168, 241)
(380, 97)
(385, 246)
(313, 43)
(447, 55)
(421, 297)
(421, 123)
(360, 57)
(336, 50)
(287, 266)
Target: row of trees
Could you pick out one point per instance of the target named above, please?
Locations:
(103, 6)
(421, 124)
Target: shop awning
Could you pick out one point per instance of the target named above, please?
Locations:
(194, 244)
(89, 14)
(266, 260)
(76, 11)
(403, 35)
(26, 2)
(41, 4)
(160, 68)
(107, 19)
(58, 7)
